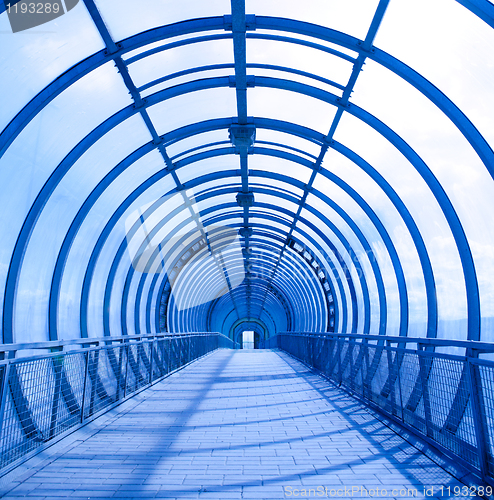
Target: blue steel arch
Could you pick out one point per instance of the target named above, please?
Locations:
(118, 256)
(367, 248)
(473, 301)
(113, 174)
(263, 241)
(93, 196)
(338, 280)
(481, 8)
(470, 290)
(224, 218)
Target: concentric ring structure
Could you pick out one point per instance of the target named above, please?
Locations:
(321, 166)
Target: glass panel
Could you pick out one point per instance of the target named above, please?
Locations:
(196, 141)
(274, 184)
(150, 15)
(447, 153)
(207, 166)
(453, 51)
(340, 14)
(397, 231)
(102, 268)
(178, 59)
(94, 223)
(279, 166)
(361, 254)
(424, 209)
(130, 310)
(344, 254)
(323, 259)
(379, 250)
(53, 223)
(276, 202)
(216, 201)
(193, 107)
(288, 139)
(291, 107)
(271, 223)
(40, 55)
(44, 143)
(298, 57)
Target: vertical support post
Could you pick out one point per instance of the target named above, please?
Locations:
(340, 373)
(57, 368)
(351, 347)
(365, 373)
(425, 391)
(84, 390)
(151, 361)
(119, 371)
(126, 367)
(391, 379)
(93, 377)
(478, 411)
(399, 364)
(3, 400)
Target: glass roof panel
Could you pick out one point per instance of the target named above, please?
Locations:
(309, 147)
(298, 57)
(453, 51)
(182, 58)
(380, 253)
(349, 263)
(397, 230)
(196, 141)
(39, 55)
(80, 251)
(279, 166)
(425, 210)
(340, 14)
(59, 212)
(207, 166)
(193, 107)
(361, 253)
(447, 153)
(147, 14)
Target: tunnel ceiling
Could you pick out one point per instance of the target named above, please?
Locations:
(273, 166)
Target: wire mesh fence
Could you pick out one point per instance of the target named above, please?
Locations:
(447, 399)
(44, 396)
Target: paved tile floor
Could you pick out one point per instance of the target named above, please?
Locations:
(237, 424)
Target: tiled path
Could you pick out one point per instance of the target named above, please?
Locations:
(235, 424)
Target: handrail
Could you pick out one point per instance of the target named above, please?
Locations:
(47, 395)
(444, 398)
(393, 339)
(96, 341)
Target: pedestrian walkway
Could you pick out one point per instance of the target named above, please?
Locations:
(236, 424)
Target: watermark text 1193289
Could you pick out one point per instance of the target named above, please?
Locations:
(24, 14)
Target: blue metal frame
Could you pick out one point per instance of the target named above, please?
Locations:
(189, 27)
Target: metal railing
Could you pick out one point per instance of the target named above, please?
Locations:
(445, 398)
(46, 395)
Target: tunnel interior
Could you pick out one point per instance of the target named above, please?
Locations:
(243, 165)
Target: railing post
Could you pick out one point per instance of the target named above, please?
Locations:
(126, 367)
(338, 353)
(478, 411)
(119, 371)
(425, 391)
(391, 378)
(5, 388)
(151, 363)
(86, 372)
(57, 366)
